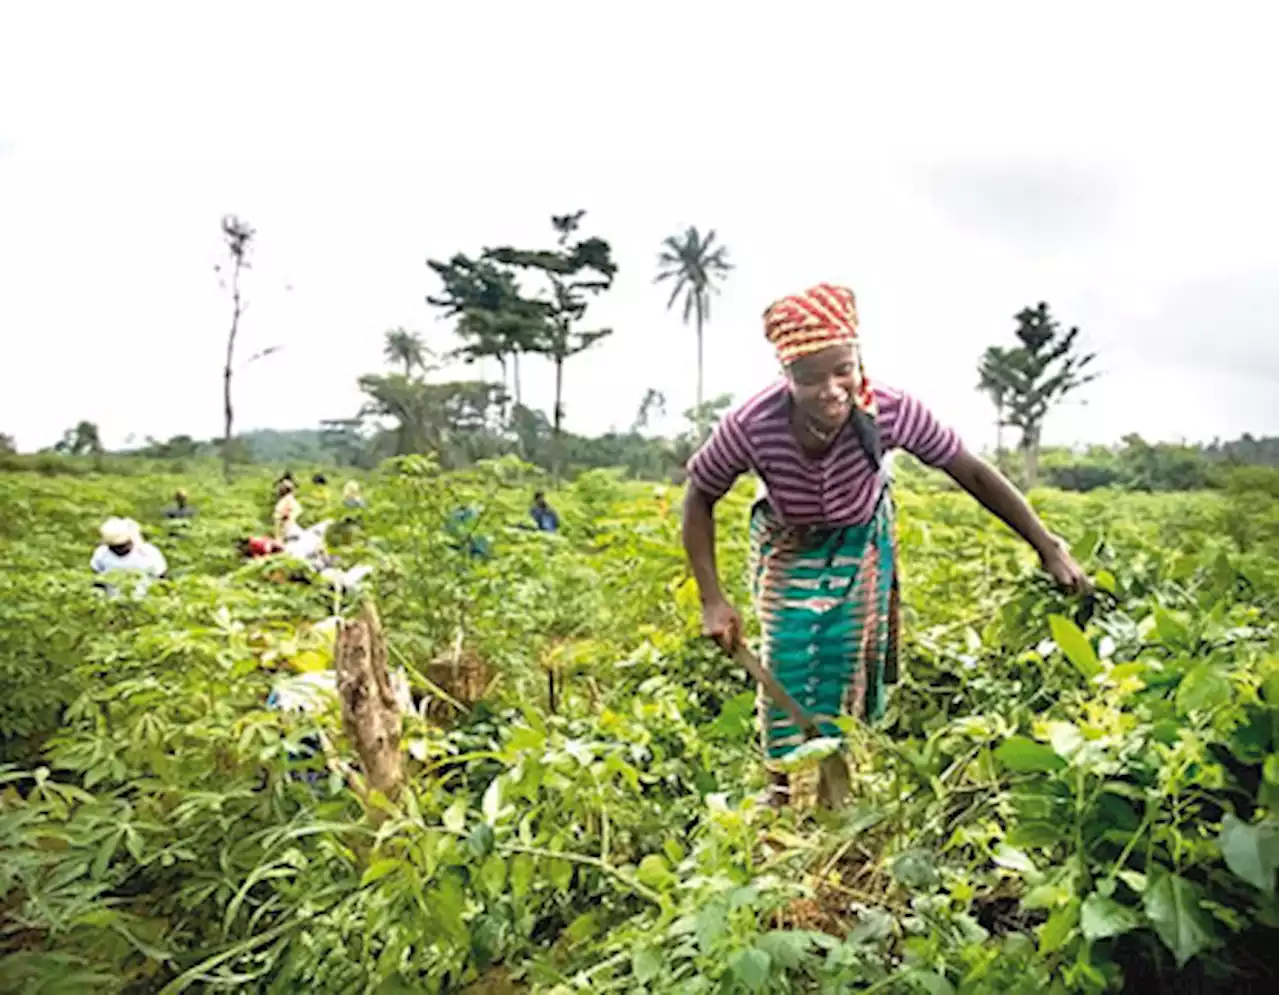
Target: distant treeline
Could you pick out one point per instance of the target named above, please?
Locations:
(1133, 465)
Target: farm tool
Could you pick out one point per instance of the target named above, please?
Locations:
(833, 773)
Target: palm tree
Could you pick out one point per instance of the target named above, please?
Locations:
(693, 266)
(405, 348)
(993, 380)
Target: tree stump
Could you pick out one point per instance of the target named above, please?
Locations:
(370, 714)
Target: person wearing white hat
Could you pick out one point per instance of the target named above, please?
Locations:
(123, 548)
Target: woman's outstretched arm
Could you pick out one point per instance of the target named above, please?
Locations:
(994, 492)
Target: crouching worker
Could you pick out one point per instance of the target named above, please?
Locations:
(123, 549)
(351, 497)
(180, 508)
(256, 547)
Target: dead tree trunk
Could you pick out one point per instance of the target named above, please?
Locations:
(370, 713)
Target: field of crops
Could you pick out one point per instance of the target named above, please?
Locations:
(1064, 797)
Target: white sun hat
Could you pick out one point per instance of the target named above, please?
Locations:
(118, 531)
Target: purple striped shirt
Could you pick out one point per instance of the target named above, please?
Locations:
(841, 487)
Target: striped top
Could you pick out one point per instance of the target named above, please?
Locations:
(840, 487)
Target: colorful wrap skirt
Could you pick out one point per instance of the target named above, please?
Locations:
(827, 599)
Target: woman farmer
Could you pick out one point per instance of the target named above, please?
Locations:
(287, 510)
(823, 553)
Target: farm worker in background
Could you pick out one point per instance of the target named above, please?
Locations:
(124, 549)
(255, 547)
(308, 545)
(288, 508)
(351, 495)
(180, 507)
(461, 525)
(543, 515)
(823, 554)
(321, 483)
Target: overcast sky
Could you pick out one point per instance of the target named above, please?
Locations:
(952, 163)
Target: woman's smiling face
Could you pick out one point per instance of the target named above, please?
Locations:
(822, 384)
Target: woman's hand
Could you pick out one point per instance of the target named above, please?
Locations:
(994, 492)
(721, 621)
(1062, 567)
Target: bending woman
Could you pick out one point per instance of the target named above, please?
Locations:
(823, 554)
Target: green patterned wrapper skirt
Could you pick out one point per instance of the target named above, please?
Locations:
(828, 604)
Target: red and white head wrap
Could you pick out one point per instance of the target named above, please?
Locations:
(813, 320)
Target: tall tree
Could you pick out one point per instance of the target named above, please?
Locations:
(238, 236)
(494, 320)
(444, 418)
(405, 348)
(576, 270)
(693, 264)
(1038, 373)
(993, 376)
(81, 440)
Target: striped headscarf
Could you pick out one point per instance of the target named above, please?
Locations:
(808, 322)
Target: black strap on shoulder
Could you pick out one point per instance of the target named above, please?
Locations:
(868, 433)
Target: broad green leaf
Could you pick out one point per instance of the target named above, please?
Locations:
(584, 927)
(1048, 896)
(645, 964)
(1250, 850)
(1105, 580)
(561, 873)
(447, 902)
(1013, 859)
(1202, 689)
(1271, 687)
(1074, 645)
(491, 804)
(1017, 753)
(480, 840)
(929, 982)
(521, 874)
(710, 922)
(380, 869)
(455, 816)
(915, 870)
(873, 926)
(1172, 903)
(493, 874)
(1065, 738)
(750, 967)
(785, 947)
(654, 873)
(1102, 918)
(1171, 629)
(1061, 924)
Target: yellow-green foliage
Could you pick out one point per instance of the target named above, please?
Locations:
(1061, 793)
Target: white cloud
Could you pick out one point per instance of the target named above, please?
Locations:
(361, 145)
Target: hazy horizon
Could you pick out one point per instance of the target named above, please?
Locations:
(952, 168)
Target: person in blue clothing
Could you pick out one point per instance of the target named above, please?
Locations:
(462, 525)
(543, 514)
